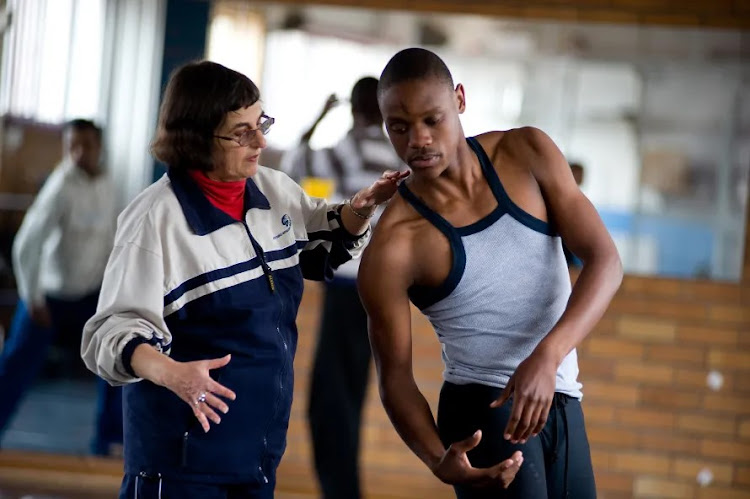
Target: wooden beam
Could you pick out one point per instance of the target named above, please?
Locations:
(718, 13)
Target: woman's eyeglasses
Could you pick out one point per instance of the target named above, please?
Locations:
(248, 135)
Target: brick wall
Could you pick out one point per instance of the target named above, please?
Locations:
(718, 13)
(653, 422)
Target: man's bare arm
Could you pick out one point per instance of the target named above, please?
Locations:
(383, 282)
(585, 235)
(575, 218)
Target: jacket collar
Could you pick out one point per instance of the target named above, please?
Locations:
(201, 215)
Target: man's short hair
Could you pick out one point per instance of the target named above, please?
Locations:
(364, 97)
(414, 64)
(80, 125)
(198, 96)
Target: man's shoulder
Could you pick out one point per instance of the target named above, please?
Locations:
(397, 233)
(59, 177)
(515, 141)
(521, 149)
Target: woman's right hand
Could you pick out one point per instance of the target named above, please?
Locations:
(193, 384)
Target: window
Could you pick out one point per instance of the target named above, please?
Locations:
(52, 68)
(236, 38)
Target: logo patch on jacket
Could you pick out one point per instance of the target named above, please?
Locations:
(286, 221)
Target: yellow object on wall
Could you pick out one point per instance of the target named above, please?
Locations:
(319, 187)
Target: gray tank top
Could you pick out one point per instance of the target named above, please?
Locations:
(507, 287)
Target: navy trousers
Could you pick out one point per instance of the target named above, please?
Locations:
(24, 354)
(337, 391)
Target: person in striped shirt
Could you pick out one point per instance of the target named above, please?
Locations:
(342, 357)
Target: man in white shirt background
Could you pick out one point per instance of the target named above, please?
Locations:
(59, 256)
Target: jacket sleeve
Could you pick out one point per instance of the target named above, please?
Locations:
(43, 217)
(328, 243)
(130, 310)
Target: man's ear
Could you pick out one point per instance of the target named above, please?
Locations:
(460, 98)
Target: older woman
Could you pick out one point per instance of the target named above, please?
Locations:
(199, 300)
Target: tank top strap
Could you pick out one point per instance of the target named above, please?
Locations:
(501, 196)
(424, 296)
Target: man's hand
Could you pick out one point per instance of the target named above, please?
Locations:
(455, 468)
(533, 388)
(40, 315)
(330, 103)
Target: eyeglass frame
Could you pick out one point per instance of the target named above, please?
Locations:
(263, 128)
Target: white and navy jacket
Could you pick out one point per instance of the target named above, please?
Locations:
(187, 278)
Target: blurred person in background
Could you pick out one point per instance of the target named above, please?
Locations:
(341, 365)
(59, 255)
(474, 240)
(578, 173)
(200, 296)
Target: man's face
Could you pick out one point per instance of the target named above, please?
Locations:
(421, 118)
(83, 147)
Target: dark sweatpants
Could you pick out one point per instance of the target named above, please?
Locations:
(557, 462)
(337, 391)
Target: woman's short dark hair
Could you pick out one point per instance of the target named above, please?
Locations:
(197, 97)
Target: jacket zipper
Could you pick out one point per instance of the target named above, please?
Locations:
(262, 257)
(281, 385)
(185, 438)
(272, 287)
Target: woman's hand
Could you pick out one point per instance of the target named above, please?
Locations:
(361, 207)
(193, 384)
(366, 200)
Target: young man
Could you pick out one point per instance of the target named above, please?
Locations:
(342, 359)
(59, 255)
(474, 241)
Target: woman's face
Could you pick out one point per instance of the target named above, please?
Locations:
(232, 161)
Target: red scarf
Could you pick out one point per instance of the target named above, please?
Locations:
(229, 197)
